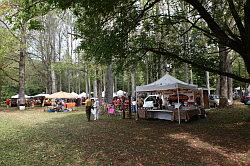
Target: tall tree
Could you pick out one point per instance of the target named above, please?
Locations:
(219, 32)
(223, 79)
(109, 85)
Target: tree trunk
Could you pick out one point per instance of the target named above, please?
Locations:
(218, 86)
(146, 76)
(133, 82)
(86, 82)
(53, 79)
(79, 82)
(109, 85)
(22, 67)
(207, 82)
(230, 83)
(22, 78)
(103, 80)
(69, 80)
(223, 79)
(128, 86)
(191, 76)
(115, 84)
(89, 85)
(99, 85)
(95, 85)
(186, 73)
(246, 37)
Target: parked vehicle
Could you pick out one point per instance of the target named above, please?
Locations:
(246, 98)
(214, 101)
(150, 101)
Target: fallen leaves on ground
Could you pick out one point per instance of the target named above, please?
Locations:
(39, 138)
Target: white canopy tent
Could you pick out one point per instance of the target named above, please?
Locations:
(120, 93)
(165, 83)
(41, 95)
(83, 94)
(103, 94)
(75, 94)
(17, 96)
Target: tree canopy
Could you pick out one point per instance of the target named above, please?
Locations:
(125, 30)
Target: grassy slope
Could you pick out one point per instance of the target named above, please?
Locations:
(39, 138)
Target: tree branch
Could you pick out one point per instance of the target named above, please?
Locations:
(6, 74)
(7, 27)
(161, 51)
(236, 17)
(215, 28)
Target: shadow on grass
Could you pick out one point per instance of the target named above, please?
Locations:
(70, 140)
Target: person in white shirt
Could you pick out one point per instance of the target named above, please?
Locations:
(96, 106)
(134, 105)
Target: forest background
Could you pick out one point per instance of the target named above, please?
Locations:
(49, 46)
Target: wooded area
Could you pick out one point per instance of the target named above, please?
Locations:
(95, 46)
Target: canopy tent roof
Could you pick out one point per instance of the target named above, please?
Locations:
(114, 94)
(120, 93)
(41, 95)
(83, 94)
(62, 95)
(164, 83)
(74, 93)
(17, 96)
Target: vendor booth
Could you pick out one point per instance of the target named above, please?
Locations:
(179, 99)
(39, 99)
(64, 101)
(14, 100)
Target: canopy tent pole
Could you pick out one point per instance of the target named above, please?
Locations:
(179, 115)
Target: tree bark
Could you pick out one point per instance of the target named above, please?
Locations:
(86, 82)
(109, 85)
(99, 85)
(133, 82)
(191, 76)
(95, 85)
(22, 78)
(186, 73)
(230, 83)
(223, 79)
(208, 82)
(246, 37)
(22, 67)
(53, 79)
(115, 84)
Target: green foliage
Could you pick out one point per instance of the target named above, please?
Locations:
(23, 12)
(8, 91)
(8, 51)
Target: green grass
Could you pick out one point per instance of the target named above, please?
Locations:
(34, 137)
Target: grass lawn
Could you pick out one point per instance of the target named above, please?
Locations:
(34, 137)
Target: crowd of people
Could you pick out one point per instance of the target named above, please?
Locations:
(117, 106)
(93, 105)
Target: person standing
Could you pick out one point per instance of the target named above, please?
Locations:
(96, 109)
(88, 105)
(140, 102)
(134, 105)
(8, 102)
